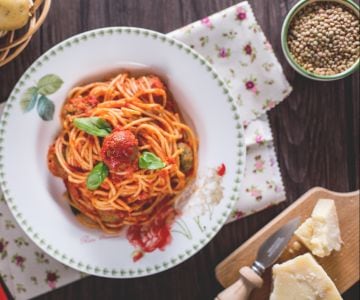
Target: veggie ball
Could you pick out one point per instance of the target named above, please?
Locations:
(120, 150)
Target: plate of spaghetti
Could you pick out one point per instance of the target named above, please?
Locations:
(121, 152)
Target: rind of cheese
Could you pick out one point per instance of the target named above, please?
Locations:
(321, 233)
(14, 14)
(302, 278)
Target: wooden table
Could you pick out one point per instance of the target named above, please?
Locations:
(316, 133)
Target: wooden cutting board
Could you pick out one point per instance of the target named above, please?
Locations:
(342, 266)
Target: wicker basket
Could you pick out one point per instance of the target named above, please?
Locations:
(12, 43)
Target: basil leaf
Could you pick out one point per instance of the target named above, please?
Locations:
(45, 108)
(150, 161)
(28, 99)
(97, 176)
(49, 84)
(93, 125)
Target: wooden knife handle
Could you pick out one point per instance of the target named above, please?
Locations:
(241, 289)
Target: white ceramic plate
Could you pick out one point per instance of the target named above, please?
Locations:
(35, 196)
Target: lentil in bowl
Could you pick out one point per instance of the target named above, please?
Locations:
(320, 39)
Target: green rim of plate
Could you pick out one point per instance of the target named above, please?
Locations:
(207, 235)
(288, 55)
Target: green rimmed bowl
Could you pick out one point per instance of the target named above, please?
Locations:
(288, 55)
(31, 120)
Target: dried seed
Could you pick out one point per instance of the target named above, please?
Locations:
(324, 38)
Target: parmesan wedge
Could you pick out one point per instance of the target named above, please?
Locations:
(321, 233)
(302, 278)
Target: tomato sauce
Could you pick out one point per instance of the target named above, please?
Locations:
(156, 235)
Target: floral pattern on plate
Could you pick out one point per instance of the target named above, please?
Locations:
(36, 96)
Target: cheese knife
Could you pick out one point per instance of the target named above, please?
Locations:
(268, 253)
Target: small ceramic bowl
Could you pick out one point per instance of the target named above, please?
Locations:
(284, 42)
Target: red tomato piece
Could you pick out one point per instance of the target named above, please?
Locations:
(137, 255)
(221, 170)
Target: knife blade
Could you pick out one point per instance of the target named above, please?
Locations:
(272, 248)
(267, 254)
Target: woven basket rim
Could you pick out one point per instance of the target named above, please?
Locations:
(14, 47)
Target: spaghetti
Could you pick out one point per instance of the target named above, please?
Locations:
(123, 152)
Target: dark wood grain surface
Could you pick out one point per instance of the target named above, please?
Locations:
(316, 133)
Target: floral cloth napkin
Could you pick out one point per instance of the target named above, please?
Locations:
(26, 270)
(233, 42)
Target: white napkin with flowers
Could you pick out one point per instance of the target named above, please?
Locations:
(233, 42)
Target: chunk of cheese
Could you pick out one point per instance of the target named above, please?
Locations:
(321, 233)
(302, 278)
(14, 14)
